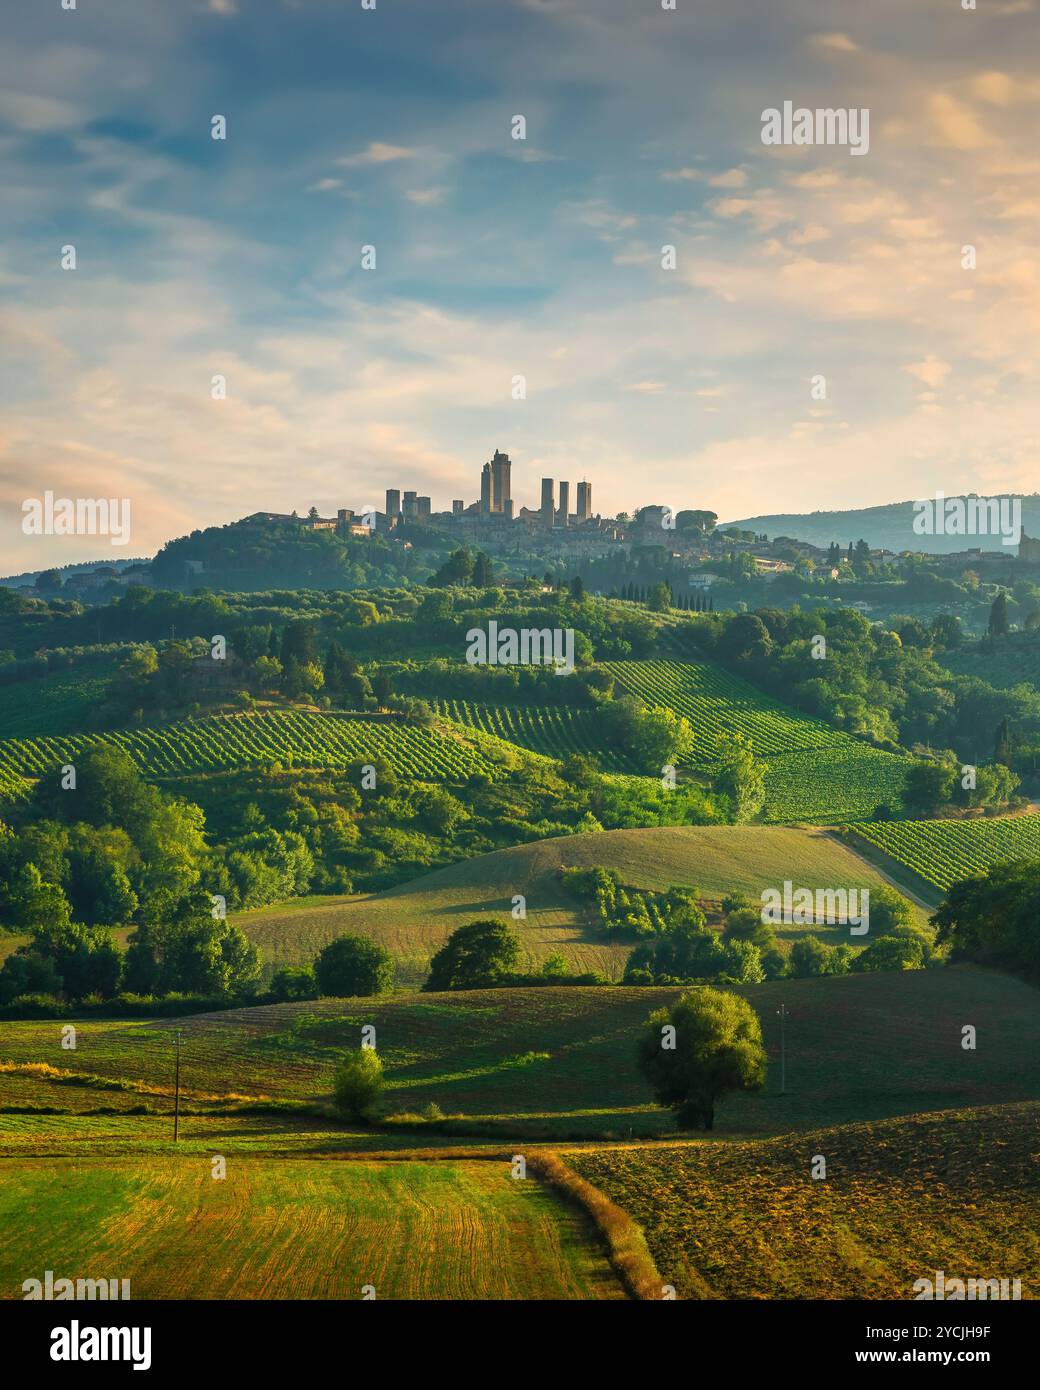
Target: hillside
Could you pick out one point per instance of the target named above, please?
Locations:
(889, 527)
(552, 1063)
(942, 851)
(901, 1199)
(413, 920)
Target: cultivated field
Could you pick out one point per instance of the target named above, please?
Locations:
(293, 739)
(297, 1229)
(717, 703)
(943, 851)
(901, 1199)
(556, 731)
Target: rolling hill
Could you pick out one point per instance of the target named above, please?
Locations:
(542, 1063)
(413, 919)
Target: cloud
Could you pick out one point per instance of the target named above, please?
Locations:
(732, 178)
(836, 43)
(378, 152)
(931, 371)
(955, 125)
(425, 197)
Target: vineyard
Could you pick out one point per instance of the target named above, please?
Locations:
(944, 851)
(557, 731)
(225, 742)
(828, 786)
(718, 704)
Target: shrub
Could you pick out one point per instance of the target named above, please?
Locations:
(358, 1085)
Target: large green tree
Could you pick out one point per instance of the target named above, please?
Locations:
(706, 1046)
(477, 956)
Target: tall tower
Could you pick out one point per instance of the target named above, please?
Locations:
(423, 506)
(584, 501)
(547, 503)
(565, 504)
(393, 506)
(410, 507)
(485, 489)
(500, 466)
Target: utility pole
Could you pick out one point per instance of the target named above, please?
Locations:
(783, 1016)
(177, 1089)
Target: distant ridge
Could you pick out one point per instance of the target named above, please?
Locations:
(889, 527)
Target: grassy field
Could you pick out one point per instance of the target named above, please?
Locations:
(413, 919)
(901, 1199)
(297, 1229)
(552, 1064)
(942, 851)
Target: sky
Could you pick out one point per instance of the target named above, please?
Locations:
(498, 258)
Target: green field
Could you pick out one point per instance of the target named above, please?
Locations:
(901, 1199)
(943, 851)
(557, 731)
(830, 786)
(294, 739)
(718, 704)
(554, 1064)
(815, 774)
(58, 703)
(297, 1229)
(414, 919)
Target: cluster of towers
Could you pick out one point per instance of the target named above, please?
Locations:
(553, 515)
(405, 507)
(496, 499)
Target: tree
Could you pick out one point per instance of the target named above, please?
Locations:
(991, 919)
(890, 912)
(483, 574)
(354, 965)
(810, 958)
(477, 956)
(659, 599)
(741, 778)
(903, 952)
(577, 589)
(33, 903)
(48, 581)
(999, 625)
(358, 1085)
(294, 982)
(929, 785)
(706, 1046)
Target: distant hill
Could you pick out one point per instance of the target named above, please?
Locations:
(413, 920)
(889, 527)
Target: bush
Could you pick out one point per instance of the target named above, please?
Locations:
(353, 965)
(294, 982)
(358, 1085)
